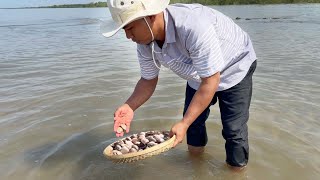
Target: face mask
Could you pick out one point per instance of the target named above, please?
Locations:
(152, 45)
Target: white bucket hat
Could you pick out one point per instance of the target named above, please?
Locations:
(124, 12)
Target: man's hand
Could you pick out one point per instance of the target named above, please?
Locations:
(179, 129)
(123, 115)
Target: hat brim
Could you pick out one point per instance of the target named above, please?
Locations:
(109, 28)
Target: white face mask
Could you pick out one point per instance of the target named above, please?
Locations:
(152, 45)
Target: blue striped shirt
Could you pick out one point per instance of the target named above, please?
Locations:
(199, 42)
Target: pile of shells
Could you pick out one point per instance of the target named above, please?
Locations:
(139, 142)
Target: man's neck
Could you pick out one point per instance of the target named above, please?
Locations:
(161, 32)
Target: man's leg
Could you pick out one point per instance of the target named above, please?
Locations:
(234, 106)
(195, 150)
(196, 133)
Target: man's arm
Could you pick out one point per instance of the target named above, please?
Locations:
(202, 98)
(142, 92)
(199, 103)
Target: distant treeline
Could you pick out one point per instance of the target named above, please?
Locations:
(204, 2)
(90, 5)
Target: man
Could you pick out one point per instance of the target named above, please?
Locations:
(204, 47)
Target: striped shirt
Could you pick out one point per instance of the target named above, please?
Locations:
(199, 42)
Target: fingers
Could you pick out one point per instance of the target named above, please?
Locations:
(128, 127)
(118, 119)
(171, 134)
(120, 127)
(119, 134)
(116, 125)
(117, 113)
(177, 140)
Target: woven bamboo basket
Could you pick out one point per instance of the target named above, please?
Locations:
(135, 156)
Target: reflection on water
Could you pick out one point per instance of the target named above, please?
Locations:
(60, 82)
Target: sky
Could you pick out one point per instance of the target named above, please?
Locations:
(36, 3)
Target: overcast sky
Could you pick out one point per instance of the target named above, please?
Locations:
(36, 3)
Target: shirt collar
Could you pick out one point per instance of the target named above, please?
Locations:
(169, 28)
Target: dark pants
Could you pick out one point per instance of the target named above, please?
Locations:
(234, 106)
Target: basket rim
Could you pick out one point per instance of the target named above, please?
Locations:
(108, 150)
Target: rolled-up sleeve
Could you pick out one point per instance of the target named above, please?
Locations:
(203, 45)
(148, 69)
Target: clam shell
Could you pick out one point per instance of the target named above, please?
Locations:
(115, 152)
(144, 141)
(119, 130)
(166, 133)
(125, 145)
(133, 150)
(134, 140)
(138, 143)
(151, 138)
(123, 126)
(158, 139)
(134, 136)
(141, 137)
(150, 144)
(124, 150)
(142, 146)
(129, 144)
(136, 147)
(118, 147)
(161, 135)
(142, 134)
(115, 144)
(120, 143)
(150, 133)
